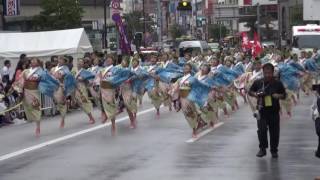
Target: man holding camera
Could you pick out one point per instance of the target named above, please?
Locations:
(268, 92)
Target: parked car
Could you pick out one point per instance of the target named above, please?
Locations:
(194, 46)
(215, 47)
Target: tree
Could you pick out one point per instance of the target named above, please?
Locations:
(217, 31)
(296, 15)
(134, 23)
(268, 22)
(58, 14)
(175, 31)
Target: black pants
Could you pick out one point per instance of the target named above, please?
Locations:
(317, 125)
(270, 120)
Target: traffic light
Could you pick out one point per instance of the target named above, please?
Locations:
(184, 6)
(138, 36)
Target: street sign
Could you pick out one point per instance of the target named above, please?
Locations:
(255, 2)
(11, 7)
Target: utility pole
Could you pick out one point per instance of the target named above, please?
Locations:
(132, 1)
(279, 25)
(104, 42)
(220, 33)
(258, 19)
(196, 29)
(144, 24)
(2, 19)
(159, 21)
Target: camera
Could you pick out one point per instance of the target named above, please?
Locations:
(260, 93)
(316, 87)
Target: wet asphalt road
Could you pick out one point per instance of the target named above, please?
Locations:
(158, 150)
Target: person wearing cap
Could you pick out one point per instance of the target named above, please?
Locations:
(268, 92)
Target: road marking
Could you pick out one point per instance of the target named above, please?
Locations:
(63, 138)
(205, 132)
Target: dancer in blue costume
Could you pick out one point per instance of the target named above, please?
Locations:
(107, 93)
(154, 89)
(83, 77)
(215, 65)
(67, 85)
(210, 110)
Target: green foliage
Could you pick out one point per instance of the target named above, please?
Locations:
(134, 22)
(58, 14)
(296, 15)
(175, 31)
(113, 39)
(214, 31)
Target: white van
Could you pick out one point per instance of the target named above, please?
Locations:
(195, 46)
(305, 38)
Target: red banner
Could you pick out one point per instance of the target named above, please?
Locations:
(257, 47)
(245, 42)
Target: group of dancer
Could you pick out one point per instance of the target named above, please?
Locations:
(198, 85)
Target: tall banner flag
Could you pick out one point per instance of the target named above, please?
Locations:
(256, 48)
(245, 42)
(125, 45)
(11, 7)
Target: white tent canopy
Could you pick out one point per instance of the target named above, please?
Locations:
(44, 44)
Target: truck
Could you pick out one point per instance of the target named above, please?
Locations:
(305, 38)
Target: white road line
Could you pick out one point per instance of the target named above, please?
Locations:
(63, 138)
(205, 132)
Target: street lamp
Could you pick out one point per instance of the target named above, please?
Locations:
(144, 24)
(104, 43)
(258, 19)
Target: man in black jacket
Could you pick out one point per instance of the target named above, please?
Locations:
(316, 117)
(268, 92)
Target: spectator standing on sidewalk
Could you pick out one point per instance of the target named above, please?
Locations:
(6, 72)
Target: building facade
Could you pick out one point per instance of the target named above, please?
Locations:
(290, 14)
(226, 12)
(92, 21)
